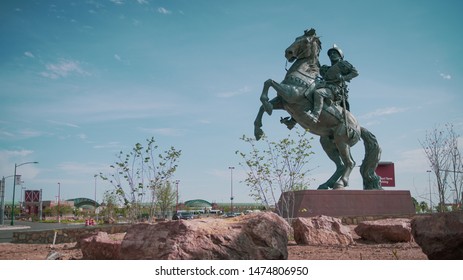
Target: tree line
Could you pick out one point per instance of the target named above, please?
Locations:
(144, 176)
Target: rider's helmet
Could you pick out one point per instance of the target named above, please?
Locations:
(337, 49)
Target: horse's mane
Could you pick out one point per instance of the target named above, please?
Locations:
(316, 48)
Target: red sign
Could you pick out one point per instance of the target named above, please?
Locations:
(32, 196)
(385, 170)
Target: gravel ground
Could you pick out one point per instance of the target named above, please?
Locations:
(362, 250)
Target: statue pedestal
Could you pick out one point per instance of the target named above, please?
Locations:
(348, 203)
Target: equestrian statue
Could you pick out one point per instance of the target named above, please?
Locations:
(316, 98)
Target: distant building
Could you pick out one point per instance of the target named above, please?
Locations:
(33, 208)
(203, 206)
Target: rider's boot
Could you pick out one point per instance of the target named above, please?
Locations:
(317, 108)
(289, 122)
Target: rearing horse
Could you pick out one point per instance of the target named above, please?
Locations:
(338, 129)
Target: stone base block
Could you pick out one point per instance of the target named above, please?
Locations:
(347, 203)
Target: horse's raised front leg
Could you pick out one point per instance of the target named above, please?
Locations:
(258, 132)
(268, 107)
(276, 104)
(332, 151)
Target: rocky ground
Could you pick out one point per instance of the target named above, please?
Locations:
(359, 251)
(362, 250)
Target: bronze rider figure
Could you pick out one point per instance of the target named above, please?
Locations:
(333, 87)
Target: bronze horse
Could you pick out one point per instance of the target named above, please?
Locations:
(338, 129)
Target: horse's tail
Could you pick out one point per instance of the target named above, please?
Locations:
(371, 181)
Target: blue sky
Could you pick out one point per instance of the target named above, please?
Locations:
(83, 80)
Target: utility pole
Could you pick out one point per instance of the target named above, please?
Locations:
(40, 206)
(59, 198)
(231, 188)
(14, 187)
(95, 198)
(176, 204)
(2, 201)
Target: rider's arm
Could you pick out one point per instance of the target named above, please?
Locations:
(349, 72)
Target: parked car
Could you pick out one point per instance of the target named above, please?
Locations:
(183, 216)
(230, 215)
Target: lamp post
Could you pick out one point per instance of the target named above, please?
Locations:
(2, 199)
(429, 182)
(59, 198)
(176, 204)
(14, 186)
(231, 188)
(21, 202)
(95, 198)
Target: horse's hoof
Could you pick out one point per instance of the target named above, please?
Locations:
(338, 186)
(258, 133)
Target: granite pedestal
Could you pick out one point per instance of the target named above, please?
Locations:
(347, 203)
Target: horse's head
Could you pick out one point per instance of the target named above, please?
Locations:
(307, 47)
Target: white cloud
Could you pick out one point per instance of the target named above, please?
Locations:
(29, 54)
(136, 22)
(118, 2)
(21, 133)
(117, 57)
(164, 131)
(82, 136)
(63, 124)
(82, 168)
(413, 161)
(15, 153)
(229, 94)
(8, 158)
(204, 121)
(29, 133)
(445, 76)
(142, 2)
(383, 112)
(62, 69)
(110, 145)
(5, 134)
(164, 11)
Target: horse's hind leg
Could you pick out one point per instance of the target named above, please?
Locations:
(349, 163)
(332, 151)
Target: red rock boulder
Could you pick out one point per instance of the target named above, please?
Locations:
(385, 231)
(102, 246)
(251, 237)
(440, 235)
(321, 230)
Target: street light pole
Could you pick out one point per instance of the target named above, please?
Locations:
(59, 198)
(21, 202)
(2, 199)
(176, 204)
(14, 187)
(231, 188)
(95, 198)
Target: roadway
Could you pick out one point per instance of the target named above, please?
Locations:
(6, 230)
